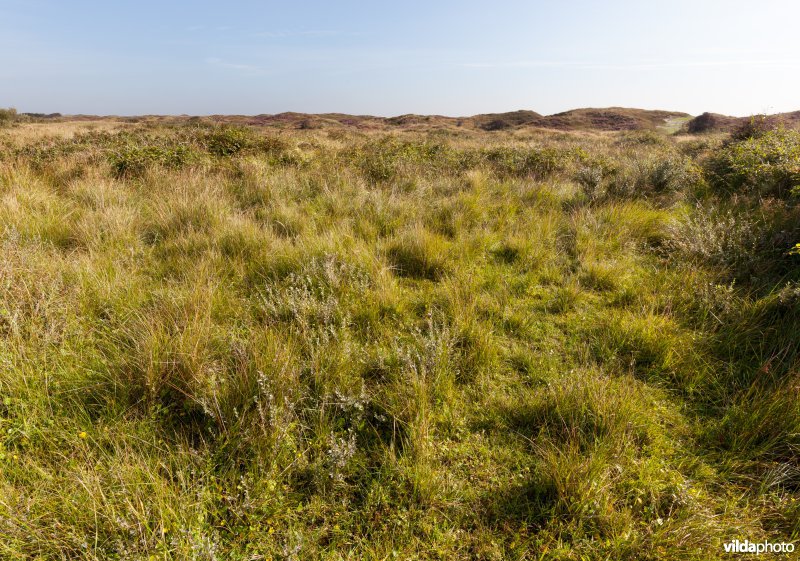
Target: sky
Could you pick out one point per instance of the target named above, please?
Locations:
(389, 58)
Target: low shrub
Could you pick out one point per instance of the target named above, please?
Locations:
(762, 165)
(590, 179)
(755, 126)
(717, 237)
(227, 141)
(655, 175)
(134, 159)
(388, 158)
(519, 162)
(7, 116)
(741, 242)
(642, 138)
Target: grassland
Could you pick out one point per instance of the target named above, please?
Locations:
(222, 342)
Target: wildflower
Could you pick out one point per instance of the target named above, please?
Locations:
(82, 435)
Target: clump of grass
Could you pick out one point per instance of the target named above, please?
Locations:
(649, 346)
(419, 254)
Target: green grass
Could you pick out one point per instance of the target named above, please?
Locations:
(223, 344)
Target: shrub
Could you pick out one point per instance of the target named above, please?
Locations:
(754, 127)
(590, 178)
(654, 176)
(717, 237)
(7, 116)
(227, 141)
(672, 174)
(133, 160)
(642, 138)
(763, 165)
(519, 162)
(389, 158)
(703, 123)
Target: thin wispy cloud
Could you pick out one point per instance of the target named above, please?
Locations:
(279, 34)
(247, 69)
(636, 65)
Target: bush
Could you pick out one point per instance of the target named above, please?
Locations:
(227, 141)
(518, 162)
(673, 174)
(389, 157)
(763, 165)
(717, 237)
(703, 123)
(7, 116)
(754, 127)
(642, 138)
(590, 178)
(133, 160)
(742, 242)
(654, 176)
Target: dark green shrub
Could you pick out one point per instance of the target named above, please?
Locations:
(227, 141)
(754, 127)
(764, 165)
(707, 122)
(389, 157)
(525, 162)
(133, 160)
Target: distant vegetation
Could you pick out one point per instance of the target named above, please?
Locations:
(715, 123)
(7, 116)
(461, 340)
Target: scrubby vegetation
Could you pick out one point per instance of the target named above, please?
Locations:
(8, 116)
(225, 343)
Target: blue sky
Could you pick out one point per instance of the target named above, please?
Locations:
(389, 58)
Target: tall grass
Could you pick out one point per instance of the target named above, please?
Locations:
(225, 343)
